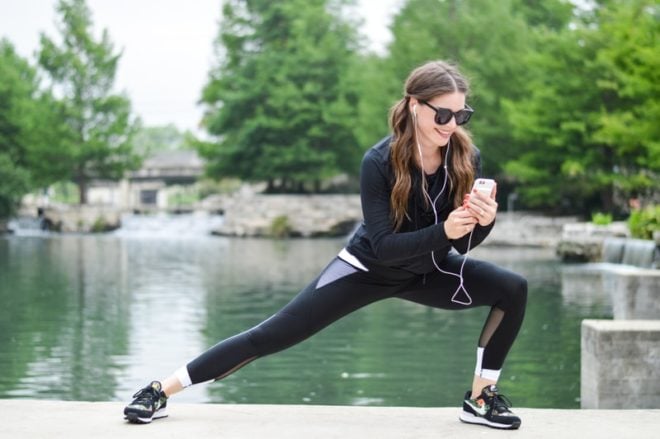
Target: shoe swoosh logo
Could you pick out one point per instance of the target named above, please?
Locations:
(479, 409)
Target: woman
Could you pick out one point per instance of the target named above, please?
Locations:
(418, 207)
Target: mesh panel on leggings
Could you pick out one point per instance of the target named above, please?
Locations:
(492, 322)
(336, 270)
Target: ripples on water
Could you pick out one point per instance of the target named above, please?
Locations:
(94, 317)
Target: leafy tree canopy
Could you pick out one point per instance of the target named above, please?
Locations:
(97, 124)
(280, 101)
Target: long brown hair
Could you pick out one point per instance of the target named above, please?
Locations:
(432, 79)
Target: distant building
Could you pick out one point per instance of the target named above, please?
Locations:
(149, 187)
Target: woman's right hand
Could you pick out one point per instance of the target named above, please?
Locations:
(459, 223)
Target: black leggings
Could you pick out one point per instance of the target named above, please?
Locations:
(342, 289)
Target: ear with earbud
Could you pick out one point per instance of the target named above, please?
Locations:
(415, 110)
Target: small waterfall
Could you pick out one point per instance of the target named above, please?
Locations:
(639, 252)
(166, 225)
(27, 226)
(157, 225)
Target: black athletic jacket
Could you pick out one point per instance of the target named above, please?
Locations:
(375, 241)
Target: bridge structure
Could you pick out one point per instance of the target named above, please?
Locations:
(162, 176)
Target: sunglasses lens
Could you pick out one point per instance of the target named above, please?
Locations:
(462, 117)
(443, 116)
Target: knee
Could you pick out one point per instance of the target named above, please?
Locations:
(515, 292)
(518, 291)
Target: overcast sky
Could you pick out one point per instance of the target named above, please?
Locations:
(167, 46)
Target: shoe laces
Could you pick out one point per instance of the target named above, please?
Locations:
(501, 403)
(148, 394)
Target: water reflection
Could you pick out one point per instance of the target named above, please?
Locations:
(95, 317)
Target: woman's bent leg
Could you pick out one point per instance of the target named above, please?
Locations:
(506, 293)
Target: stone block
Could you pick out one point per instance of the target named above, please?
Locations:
(635, 294)
(620, 366)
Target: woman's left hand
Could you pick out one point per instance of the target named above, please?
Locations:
(482, 207)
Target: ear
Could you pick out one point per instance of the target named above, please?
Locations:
(413, 106)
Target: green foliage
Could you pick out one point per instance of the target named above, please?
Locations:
(601, 219)
(280, 227)
(280, 101)
(208, 187)
(590, 111)
(96, 125)
(182, 196)
(64, 192)
(148, 140)
(99, 225)
(644, 222)
(14, 183)
(28, 134)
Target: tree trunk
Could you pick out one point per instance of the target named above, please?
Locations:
(82, 190)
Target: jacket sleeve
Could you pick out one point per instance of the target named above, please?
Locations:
(388, 246)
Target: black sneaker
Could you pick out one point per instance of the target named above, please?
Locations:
(490, 409)
(149, 403)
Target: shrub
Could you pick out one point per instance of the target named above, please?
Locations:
(280, 227)
(601, 219)
(643, 222)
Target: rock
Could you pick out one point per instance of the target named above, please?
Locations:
(527, 229)
(583, 242)
(580, 250)
(252, 215)
(82, 219)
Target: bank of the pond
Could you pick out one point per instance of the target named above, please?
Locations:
(259, 215)
(73, 420)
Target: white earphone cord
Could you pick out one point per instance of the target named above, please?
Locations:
(459, 275)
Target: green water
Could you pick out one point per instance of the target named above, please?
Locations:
(96, 317)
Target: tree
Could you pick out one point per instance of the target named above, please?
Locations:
(279, 100)
(590, 112)
(97, 141)
(549, 14)
(28, 131)
(149, 140)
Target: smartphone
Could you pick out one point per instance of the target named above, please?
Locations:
(484, 185)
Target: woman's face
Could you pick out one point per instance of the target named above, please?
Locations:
(428, 131)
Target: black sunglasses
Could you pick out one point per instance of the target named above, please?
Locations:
(444, 115)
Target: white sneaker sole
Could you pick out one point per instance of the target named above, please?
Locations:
(469, 418)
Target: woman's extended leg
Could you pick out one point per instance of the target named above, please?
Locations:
(338, 291)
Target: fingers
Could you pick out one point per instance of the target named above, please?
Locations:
(483, 208)
(459, 223)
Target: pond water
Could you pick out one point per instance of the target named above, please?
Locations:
(95, 317)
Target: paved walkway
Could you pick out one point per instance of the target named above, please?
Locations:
(27, 419)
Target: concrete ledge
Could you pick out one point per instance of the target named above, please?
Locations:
(55, 419)
(635, 293)
(632, 292)
(620, 364)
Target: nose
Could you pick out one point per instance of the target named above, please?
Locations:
(452, 122)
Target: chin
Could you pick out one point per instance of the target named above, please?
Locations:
(443, 140)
